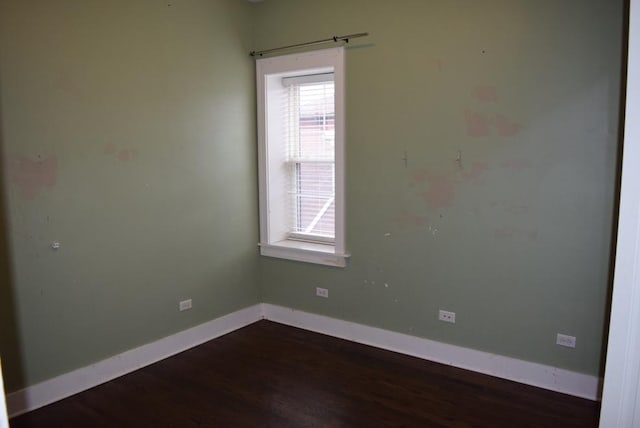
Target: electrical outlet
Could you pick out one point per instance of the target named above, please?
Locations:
(322, 292)
(565, 340)
(447, 316)
(185, 304)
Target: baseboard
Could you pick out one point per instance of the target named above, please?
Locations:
(82, 379)
(547, 377)
(539, 375)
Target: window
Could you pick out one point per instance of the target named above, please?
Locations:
(301, 156)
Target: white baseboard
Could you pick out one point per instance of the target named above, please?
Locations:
(542, 376)
(103, 371)
(547, 377)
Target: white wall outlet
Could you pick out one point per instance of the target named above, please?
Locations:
(565, 340)
(185, 304)
(322, 292)
(447, 316)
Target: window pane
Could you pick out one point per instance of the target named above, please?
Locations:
(311, 134)
(316, 121)
(315, 199)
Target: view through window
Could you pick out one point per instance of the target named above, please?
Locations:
(310, 132)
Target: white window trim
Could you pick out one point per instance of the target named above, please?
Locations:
(330, 254)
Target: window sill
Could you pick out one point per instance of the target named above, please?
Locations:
(308, 252)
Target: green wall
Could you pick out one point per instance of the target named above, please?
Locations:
(127, 133)
(128, 137)
(515, 236)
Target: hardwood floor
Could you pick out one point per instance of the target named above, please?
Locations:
(270, 375)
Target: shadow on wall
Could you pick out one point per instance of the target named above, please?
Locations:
(616, 202)
(9, 344)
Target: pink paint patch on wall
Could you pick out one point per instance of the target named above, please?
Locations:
(516, 164)
(505, 127)
(485, 93)
(477, 124)
(124, 155)
(31, 176)
(477, 170)
(440, 193)
(419, 176)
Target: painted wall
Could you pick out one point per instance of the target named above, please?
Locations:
(127, 137)
(481, 162)
(481, 154)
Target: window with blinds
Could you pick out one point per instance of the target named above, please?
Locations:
(310, 156)
(301, 156)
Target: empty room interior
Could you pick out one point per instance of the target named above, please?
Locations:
(480, 180)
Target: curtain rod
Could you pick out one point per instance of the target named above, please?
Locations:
(315, 42)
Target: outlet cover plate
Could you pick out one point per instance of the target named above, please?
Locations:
(566, 340)
(322, 292)
(447, 316)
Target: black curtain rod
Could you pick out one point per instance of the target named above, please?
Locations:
(315, 42)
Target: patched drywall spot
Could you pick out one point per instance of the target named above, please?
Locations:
(31, 176)
(480, 125)
(127, 154)
(516, 164)
(505, 127)
(485, 93)
(478, 168)
(477, 124)
(458, 160)
(419, 176)
(123, 154)
(517, 209)
(510, 208)
(110, 149)
(530, 234)
(410, 220)
(503, 232)
(441, 191)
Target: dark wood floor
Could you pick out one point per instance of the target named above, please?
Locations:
(270, 375)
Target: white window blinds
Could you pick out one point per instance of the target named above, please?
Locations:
(310, 156)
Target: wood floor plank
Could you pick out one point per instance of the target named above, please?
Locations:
(270, 375)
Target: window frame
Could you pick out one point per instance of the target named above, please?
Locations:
(274, 242)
